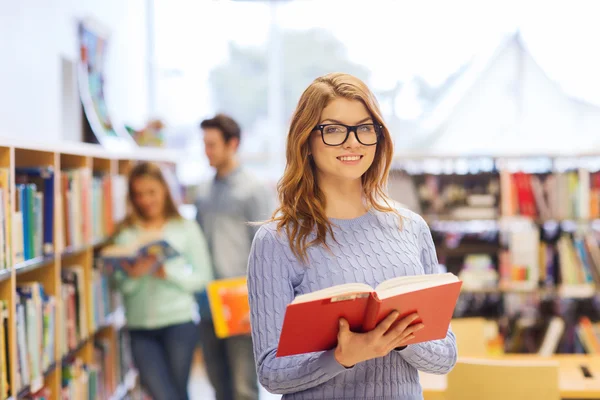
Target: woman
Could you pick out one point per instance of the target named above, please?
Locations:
(159, 302)
(335, 225)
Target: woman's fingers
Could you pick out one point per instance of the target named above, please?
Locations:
(401, 326)
(402, 341)
(398, 334)
(385, 325)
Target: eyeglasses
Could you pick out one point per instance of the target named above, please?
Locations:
(337, 134)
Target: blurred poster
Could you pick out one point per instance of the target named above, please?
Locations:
(93, 40)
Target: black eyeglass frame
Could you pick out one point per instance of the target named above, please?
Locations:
(349, 129)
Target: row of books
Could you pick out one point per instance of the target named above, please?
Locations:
(563, 195)
(85, 381)
(104, 300)
(89, 381)
(564, 328)
(75, 314)
(457, 197)
(91, 205)
(551, 258)
(573, 194)
(34, 208)
(36, 321)
(102, 198)
(524, 258)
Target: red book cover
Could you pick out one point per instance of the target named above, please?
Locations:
(527, 206)
(107, 212)
(311, 321)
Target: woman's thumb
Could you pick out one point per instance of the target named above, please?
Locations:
(343, 325)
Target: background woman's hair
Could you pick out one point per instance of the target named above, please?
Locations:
(302, 203)
(146, 170)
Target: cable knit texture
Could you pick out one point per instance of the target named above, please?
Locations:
(369, 249)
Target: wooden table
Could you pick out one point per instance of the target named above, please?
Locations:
(572, 382)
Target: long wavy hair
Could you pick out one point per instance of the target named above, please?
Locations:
(302, 203)
(135, 214)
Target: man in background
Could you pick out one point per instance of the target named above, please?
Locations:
(225, 205)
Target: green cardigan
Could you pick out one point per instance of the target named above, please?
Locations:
(152, 303)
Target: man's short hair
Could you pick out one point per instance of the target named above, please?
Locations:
(227, 125)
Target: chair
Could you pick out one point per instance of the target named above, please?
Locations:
(495, 379)
(471, 338)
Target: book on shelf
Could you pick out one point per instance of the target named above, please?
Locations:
(573, 194)
(588, 334)
(311, 320)
(149, 245)
(101, 305)
(35, 188)
(36, 321)
(229, 306)
(73, 278)
(6, 216)
(552, 337)
(4, 352)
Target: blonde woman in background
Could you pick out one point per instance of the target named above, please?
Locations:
(161, 308)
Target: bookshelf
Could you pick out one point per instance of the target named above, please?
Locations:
(522, 232)
(60, 323)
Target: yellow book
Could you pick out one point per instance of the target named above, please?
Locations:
(228, 299)
(5, 185)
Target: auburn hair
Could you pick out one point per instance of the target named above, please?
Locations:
(302, 203)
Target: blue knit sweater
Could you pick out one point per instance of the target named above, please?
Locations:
(369, 249)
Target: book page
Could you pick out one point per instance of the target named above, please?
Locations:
(130, 250)
(118, 251)
(401, 280)
(149, 236)
(338, 290)
(406, 284)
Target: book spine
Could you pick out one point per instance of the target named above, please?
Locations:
(371, 313)
(48, 224)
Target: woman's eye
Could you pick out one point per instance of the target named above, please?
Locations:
(333, 129)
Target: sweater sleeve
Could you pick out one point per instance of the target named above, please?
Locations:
(436, 356)
(271, 281)
(192, 271)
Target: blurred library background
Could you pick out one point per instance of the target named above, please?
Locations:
(494, 108)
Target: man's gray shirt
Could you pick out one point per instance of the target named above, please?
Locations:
(225, 206)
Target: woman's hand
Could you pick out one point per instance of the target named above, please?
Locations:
(353, 348)
(140, 268)
(160, 273)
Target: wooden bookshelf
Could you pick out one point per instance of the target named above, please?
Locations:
(48, 266)
(522, 232)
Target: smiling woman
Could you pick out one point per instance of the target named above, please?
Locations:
(334, 144)
(338, 142)
(337, 225)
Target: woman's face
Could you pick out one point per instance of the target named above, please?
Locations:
(149, 196)
(351, 159)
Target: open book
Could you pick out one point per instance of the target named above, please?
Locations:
(311, 320)
(114, 256)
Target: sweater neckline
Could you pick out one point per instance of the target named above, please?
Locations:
(343, 222)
